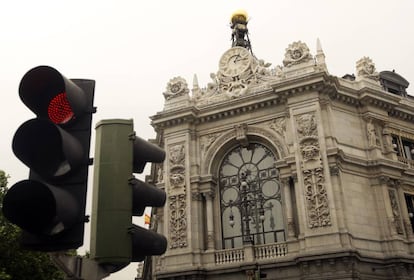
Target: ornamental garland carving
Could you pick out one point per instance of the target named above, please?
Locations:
(316, 198)
(297, 53)
(177, 167)
(317, 205)
(178, 221)
(176, 87)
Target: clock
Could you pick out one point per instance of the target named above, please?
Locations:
(235, 61)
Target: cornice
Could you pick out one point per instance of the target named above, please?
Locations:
(362, 94)
(254, 101)
(174, 117)
(373, 167)
(353, 93)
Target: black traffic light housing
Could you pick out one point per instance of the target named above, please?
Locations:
(50, 205)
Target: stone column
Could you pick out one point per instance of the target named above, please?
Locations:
(289, 209)
(301, 223)
(210, 219)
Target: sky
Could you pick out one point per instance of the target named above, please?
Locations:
(132, 48)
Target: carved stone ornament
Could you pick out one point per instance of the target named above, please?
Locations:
(278, 125)
(372, 134)
(334, 170)
(366, 68)
(178, 221)
(397, 222)
(310, 149)
(206, 141)
(317, 206)
(176, 87)
(177, 167)
(241, 134)
(297, 53)
(238, 71)
(306, 125)
(316, 198)
(160, 174)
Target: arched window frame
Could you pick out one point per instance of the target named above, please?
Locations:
(251, 199)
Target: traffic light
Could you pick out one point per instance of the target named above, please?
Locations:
(118, 195)
(49, 206)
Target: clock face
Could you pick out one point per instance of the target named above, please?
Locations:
(235, 61)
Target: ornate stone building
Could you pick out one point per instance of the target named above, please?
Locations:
(287, 170)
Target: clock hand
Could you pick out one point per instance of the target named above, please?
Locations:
(239, 58)
(236, 58)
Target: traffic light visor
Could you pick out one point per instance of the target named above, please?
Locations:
(47, 149)
(144, 195)
(144, 152)
(146, 243)
(52, 96)
(33, 206)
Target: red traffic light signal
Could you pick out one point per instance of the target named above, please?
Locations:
(50, 206)
(51, 96)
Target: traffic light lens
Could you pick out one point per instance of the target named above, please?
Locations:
(59, 110)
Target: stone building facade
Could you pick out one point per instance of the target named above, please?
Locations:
(289, 171)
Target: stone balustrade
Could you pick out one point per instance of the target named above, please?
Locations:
(261, 252)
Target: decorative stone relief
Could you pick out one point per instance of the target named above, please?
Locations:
(334, 170)
(316, 197)
(241, 73)
(238, 71)
(310, 149)
(177, 167)
(241, 134)
(206, 141)
(176, 87)
(177, 197)
(372, 134)
(160, 174)
(178, 221)
(306, 125)
(387, 140)
(278, 142)
(365, 68)
(397, 222)
(297, 53)
(278, 125)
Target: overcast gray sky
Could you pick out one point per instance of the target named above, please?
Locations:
(133, 48)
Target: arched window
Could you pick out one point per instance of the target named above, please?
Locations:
(250, 197)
